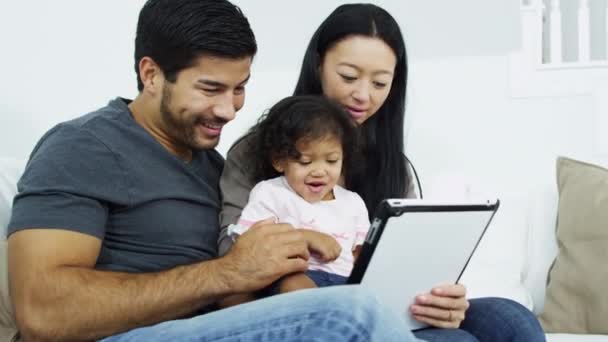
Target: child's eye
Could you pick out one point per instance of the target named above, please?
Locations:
(332, 161)
(304, 162)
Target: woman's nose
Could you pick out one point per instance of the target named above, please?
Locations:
(361, 92)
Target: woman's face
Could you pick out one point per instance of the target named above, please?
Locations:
(358, 72)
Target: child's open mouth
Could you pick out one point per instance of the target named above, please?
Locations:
(315, 187)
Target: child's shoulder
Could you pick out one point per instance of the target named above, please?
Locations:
(274, 186)
(347, 195)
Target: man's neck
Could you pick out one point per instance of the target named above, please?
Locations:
(146, 113)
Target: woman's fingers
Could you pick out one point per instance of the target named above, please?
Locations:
(438, 313)
(447, 303)
(444, 307)
(450, 290)
(437, 323)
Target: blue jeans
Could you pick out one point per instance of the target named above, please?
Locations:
(323, 279)
(337, 313)
(490, 319)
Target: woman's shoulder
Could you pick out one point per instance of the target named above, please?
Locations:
(239, 149)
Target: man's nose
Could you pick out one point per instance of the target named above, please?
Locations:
(225, 108)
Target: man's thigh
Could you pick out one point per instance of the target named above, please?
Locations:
(340, 313)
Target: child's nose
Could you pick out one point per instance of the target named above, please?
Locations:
(318, 172)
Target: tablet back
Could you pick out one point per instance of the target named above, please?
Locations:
(413, 246)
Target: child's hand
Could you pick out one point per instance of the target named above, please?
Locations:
(327, 248)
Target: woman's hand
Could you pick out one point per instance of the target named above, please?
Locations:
(444, 307)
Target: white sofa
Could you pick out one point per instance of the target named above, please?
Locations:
(512, 260)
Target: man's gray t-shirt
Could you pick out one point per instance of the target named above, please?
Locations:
(104, 175)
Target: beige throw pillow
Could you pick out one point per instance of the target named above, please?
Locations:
(577, 298)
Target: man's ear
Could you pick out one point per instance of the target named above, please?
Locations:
(151, 76)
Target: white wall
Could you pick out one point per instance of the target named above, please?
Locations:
(61, 59)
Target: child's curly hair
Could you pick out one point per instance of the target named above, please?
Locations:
(278, 131)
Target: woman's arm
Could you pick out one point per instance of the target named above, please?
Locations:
(412, 190)
(235, 186)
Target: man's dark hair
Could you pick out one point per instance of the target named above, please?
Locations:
(174, 33)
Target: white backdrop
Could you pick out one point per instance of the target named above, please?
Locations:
(60, 59)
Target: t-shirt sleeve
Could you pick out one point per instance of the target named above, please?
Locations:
(69, 183)
(361, 221)
(261, 206)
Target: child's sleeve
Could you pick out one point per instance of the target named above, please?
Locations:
(361, 222)
(261, 206)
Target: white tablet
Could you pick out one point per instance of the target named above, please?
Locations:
(415, 245)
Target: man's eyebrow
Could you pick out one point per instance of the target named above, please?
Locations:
(212, 83)
(245, 80)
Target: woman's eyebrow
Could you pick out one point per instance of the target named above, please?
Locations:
(376, 72)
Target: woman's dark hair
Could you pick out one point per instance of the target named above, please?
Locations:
(385, 174)
(174, 33)
(295, 119)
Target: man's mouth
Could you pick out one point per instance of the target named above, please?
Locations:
(212, 129)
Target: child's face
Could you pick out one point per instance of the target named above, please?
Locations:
(314, 175)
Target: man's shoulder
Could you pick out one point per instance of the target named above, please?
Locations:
(76, 142)
(104, 120)
(94, 123)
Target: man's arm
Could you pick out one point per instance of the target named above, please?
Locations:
(58, 295)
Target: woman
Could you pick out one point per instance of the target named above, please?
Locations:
(358, 58)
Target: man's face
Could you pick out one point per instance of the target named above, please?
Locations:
(203, 99)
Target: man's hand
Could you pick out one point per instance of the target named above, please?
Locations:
(263, 254)
(322, 244)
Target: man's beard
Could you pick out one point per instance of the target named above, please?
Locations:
(181, 130)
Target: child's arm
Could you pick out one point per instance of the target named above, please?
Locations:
(261, 206)
(236, 300)
(357, 251)
(325, 245)
(362, 226)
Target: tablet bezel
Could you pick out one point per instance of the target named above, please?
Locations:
(396, 207)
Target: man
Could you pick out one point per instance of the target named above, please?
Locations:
(113, 233)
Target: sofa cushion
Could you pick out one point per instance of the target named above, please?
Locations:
(496, 267)
(10, 171)
(576, 338)
(576, 301)
(542, 243)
